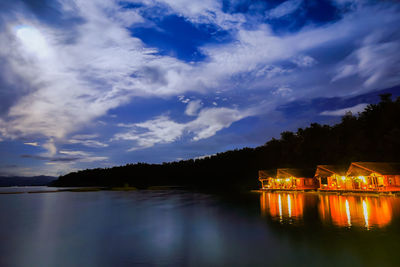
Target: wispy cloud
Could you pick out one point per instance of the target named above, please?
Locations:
(340, 112)
(73, 83)
(284, 9)
(57, 81)
(193, 107)
(164, 130)
(32, 144)
(68, 156)
(375, 61)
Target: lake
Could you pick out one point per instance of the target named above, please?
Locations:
(183, 228)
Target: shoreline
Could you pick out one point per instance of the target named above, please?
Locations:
(89, 189)
(331, 192)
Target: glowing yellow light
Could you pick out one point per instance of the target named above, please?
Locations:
(343, 178)
(289, 206)
(362, 178)
(365, 209)
(348, 212)
(287, 180)
(278, 180)
(280, 207)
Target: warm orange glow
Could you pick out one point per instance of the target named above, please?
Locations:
(365, 211)
(348, 213)
(355, 210)
(343, 211)
(282, 206)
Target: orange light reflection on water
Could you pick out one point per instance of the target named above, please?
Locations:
(282, 205)
(360, 211)
(342, 211)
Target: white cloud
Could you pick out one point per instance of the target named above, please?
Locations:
(340, 112)
(284, 9)
(73, 153)
(85, 136)
(72, 84)
(212, 120)
(86, 140)
(69, 157)
(31, 144)
(183, 99)
(205, 156)
(204, 11)
(88, 143)
(283, 91)
(193, 107)
(373, 62)
(304, 61)
(164, 130)
(146, 134)
(82, 156)
(93, 159)
(51, 147)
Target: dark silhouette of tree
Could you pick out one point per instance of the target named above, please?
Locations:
(372, 135)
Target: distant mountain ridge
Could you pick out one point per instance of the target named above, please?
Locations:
(26, 181)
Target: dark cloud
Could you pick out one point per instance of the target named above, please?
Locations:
(48, 12)
(12, 87)
(51, 159)
(313, 107)
(154, 75)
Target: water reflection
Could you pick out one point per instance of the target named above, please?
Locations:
(342, 211)
(358, 211)
(284, 206)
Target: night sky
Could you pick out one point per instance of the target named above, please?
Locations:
(99, 83)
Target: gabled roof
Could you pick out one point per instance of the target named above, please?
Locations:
(292, 172)
(366, 168)
(328, 170)
(265, 174)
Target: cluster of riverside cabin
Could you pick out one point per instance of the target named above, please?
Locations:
(360, 176)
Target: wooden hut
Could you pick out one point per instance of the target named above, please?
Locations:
(291, 178)
(378, 176)
(332, 177)
(265, 177)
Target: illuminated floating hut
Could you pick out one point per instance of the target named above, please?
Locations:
(265, 177)
(288, 178)
(375, 176)
(332, 177)
(360, 176)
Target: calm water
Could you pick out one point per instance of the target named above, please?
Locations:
(175, 228)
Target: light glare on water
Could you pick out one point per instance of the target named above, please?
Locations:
(368, 212)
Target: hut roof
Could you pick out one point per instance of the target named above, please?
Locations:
(328, 170)
(264, 174)
(366, 168)
(292, 172)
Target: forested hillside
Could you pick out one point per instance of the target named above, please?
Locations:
(373, 135)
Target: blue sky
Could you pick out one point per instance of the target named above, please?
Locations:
(100, 83)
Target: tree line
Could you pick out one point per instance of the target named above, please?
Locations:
(372, 135)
